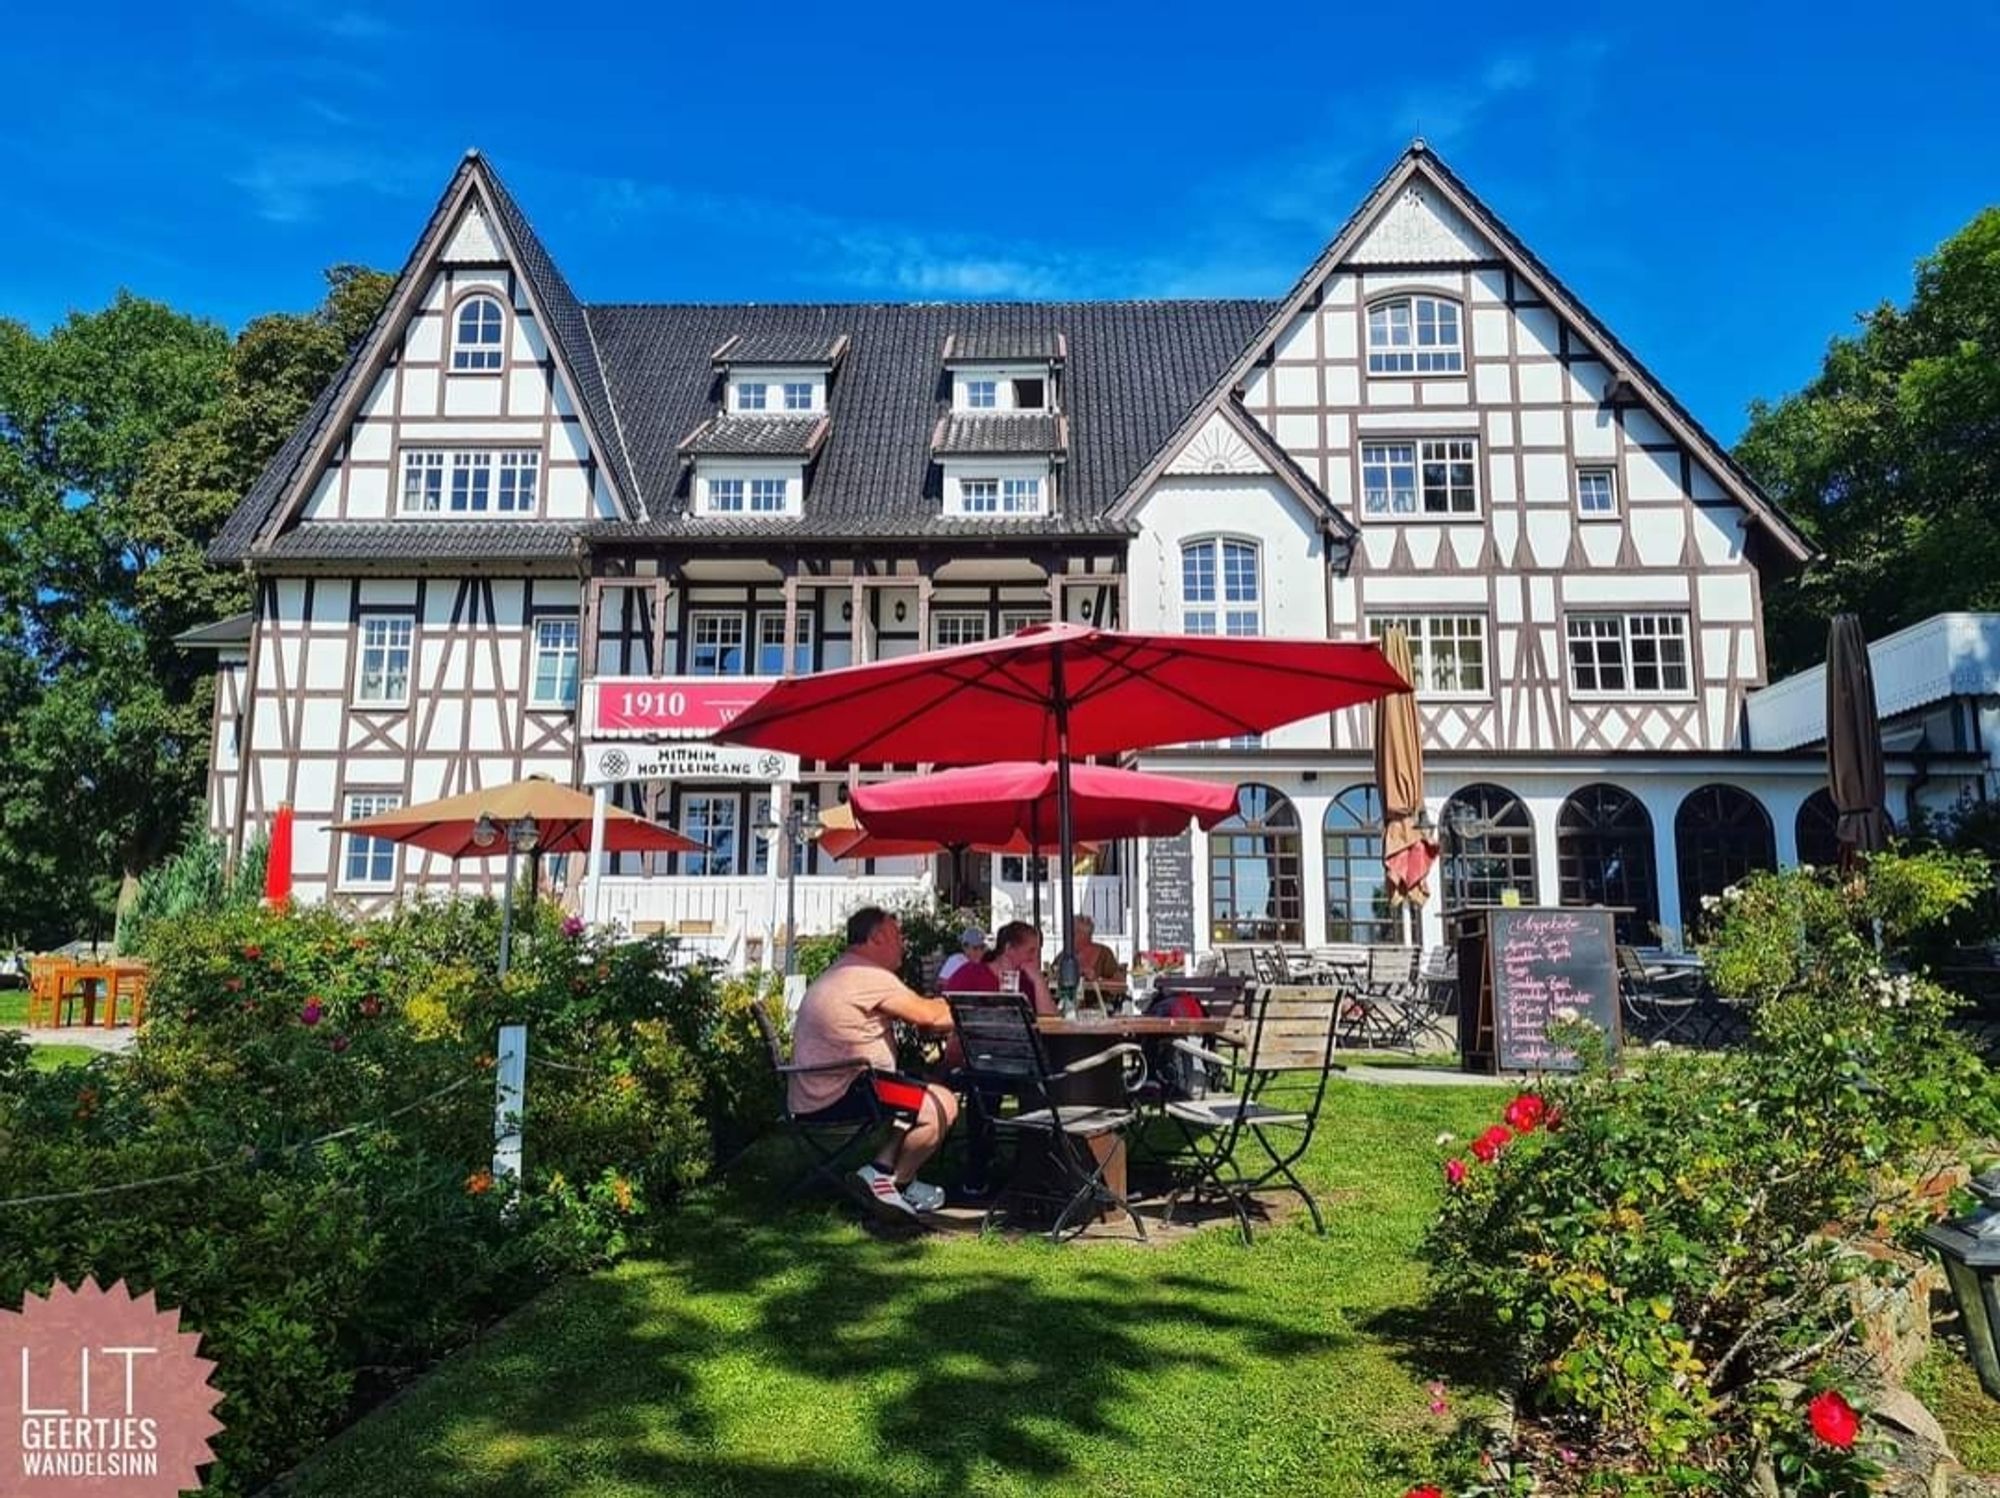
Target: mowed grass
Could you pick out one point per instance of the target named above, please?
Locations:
(769, 1352)
(13, 1006)
(51, 1057)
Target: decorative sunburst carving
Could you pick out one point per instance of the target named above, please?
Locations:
(1420, 226)
(1217, 448)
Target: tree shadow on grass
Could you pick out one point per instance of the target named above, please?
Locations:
(947, 1369)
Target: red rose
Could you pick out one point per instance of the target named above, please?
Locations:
(1454, 1172)
(1833, 1419)
(253, 952)
(371, 1007)
(1526, 1113)
(1425, 1492)
(1488, 1145)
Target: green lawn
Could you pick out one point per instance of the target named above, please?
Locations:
(49, 1057)
(13, 1006)
(795, 1354)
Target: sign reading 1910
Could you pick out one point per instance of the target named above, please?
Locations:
(668, 704)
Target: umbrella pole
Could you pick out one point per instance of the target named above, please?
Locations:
(507, 909)
(1068, 972)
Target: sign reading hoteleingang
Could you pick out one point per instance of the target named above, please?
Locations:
(605, 764)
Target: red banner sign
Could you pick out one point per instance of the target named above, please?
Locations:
(673, 706)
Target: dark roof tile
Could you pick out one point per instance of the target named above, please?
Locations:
(756, 437)
(813, 349)
(1005, 346)
(999, 432)
(428, 540)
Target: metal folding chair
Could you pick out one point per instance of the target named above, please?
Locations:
(1004, 1056)
(834, 1146)
(1659, 1009)
(1289, 1049)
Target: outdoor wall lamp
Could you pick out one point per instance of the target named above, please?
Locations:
(902, 611)
(1970, 1248)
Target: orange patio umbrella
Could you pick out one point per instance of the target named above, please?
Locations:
(1407, 855)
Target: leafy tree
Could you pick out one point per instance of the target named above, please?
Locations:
(126, 438)
(1890, 459)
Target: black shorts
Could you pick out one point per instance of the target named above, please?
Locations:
(874, 1094)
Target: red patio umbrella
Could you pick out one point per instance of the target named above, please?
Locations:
(278, 858)
(1057, 692)
(1004, 803)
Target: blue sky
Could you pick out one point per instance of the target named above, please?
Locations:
(1725, 185)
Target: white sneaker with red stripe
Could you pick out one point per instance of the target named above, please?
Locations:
(879, 1190)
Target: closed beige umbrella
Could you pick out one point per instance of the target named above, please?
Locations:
(1407, 855)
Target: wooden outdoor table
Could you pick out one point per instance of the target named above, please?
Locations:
(1070, 1040)
(93, 978)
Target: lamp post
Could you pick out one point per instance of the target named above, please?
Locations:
(1970, 1248)
(523, 835)
(799, 828)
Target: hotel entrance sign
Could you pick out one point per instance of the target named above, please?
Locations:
(608, 764)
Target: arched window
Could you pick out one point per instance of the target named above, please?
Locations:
(1415, 335)
(1221, 592)
(477, 331)
(1255, 892)
(1357, 889)
(1818, 829)
(1604, 856)
(1720, 834)
(1489, 847)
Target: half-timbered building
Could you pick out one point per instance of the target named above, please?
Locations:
(521, 534)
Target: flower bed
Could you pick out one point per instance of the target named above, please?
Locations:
(308, 1125)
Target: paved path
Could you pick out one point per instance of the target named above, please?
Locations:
(94, 1037)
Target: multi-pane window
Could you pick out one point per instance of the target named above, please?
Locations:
(771, 645)
(1488, 840)
(725, 496)
(715, 644)
(384, 663)
(957, 629)
(1256, 891)
(798, 395)
(1447, 651)
(1628, 654)
(1021, 496)
(1415, 335)
(1429, 476)
(474, 481)
(368, 862)
(1721, 835)
(1604, 856)
(711, 819)
(556, 646)
(1596, 493)
(1357, 886)
(979, 496)
(477, 333)
(982, 395)
(750, 396)
(1220, 589)
(767, 496)
(1012, 620)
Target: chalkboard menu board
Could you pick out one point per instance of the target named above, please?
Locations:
(1534, 968)
(1170, 893)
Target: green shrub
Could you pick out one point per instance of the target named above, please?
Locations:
(330, 1081)
(1661, 1259)
(193, 881)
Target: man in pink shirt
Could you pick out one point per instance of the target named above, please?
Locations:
(849, 1015)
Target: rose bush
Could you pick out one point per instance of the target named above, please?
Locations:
(1657, 1258)
(313, 1095)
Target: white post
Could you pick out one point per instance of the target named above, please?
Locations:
(594, 868)
(509, 1092)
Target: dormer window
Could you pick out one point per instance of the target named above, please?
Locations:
(1030, 395)
(987, 494)
(478, 329)
(1415, 335)
(750, 396)
(982, 395)
(749, 489)
(798, 395)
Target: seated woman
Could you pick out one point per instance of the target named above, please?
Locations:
(1017, 950)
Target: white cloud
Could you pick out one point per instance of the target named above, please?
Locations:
(286, 183)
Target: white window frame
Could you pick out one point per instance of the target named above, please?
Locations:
(703, 829)
(481, 355)
(557, 637)
(727, 496)
(1023, 495)
(1387, 358)
(1013, 621)
(361, 804)
(797, 395)
(988, 499)
(1218, 613)
(1046, 403)
(771, 623)
(436, 479)
(1609, 474)
(732, 619)
(972, 625)
(1432, 633)
(763, 490)
(1424, 453)
(743, 392)
(394, 640)
(1586, 627)
(982, 394)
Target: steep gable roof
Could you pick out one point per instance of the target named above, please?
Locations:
(281, 488)
(1469, 217)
